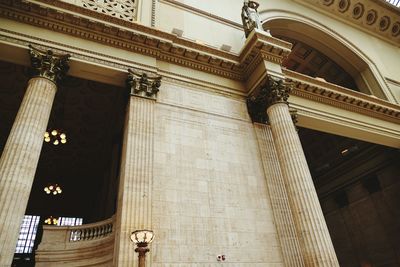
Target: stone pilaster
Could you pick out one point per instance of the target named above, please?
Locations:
(315, 241)
(21, 153)
(136, 175)
(285, 227)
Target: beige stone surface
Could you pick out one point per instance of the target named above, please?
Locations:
(310, 224)
(19, 161)
(288, 238)
(136, 174)
(209, 191)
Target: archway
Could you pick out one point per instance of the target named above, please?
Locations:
(318, 39)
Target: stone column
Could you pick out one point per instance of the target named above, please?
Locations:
(285, 227)
(21, 153)
(136, 173)
(314, 238)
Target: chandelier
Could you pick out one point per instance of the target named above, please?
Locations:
(53, 189)
(51, 221)
(55, 137)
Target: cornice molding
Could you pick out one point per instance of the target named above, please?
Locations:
(374, 16)
(340, 97)
(76, 21)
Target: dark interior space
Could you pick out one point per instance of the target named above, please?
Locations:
(357, 183)
(91, 115)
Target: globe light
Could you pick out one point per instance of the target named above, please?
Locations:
(51, 221)
(53, 189)
(55, 136)
(142, 237)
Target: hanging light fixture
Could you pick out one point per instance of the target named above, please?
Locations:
(51, 221)
(53, 189)
(55, 137)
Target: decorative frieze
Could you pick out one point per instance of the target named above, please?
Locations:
(340, 97)
(48, 65)
(122, 9)
(378, 17)
(143, 84)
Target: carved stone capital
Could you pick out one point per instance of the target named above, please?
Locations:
(274, 91)
(143, 84)
(48, 65)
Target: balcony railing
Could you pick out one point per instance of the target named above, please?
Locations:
(90, 231)
(83, 245)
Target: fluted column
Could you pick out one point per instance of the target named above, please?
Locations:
(285, 227)
(136, 174)
(315, 242)
(21, 153)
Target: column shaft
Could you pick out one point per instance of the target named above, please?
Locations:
(311, 227)
(19, 161)
(279, 200)
(135, 188)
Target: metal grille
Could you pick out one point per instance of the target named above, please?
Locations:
(396, 3)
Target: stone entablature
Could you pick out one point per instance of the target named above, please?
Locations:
(374, 16)
(72, 20)
(337, 96)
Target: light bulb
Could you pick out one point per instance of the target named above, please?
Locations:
(54, 132)
(54, 192)
(60, 191)
(63, 141)
(55, 142)
(47, 139)
(62, 136)
(51, 187)
(46, 134)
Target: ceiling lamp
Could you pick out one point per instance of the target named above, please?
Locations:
(51, 221)
(55, 137)
(53, 189)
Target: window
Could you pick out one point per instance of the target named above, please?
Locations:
(68, 221)
(27, 234)
(28, 230)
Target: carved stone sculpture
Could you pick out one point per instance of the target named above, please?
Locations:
(250, 17)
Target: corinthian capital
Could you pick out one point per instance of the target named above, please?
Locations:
(48, 65)
(277, 91)
(143, 84)
(274, 91)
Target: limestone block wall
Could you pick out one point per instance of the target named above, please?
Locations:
(209, 191)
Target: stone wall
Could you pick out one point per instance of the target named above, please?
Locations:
(209, 191)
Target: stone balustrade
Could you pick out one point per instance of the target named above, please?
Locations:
(90, 231)
(89, 245)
